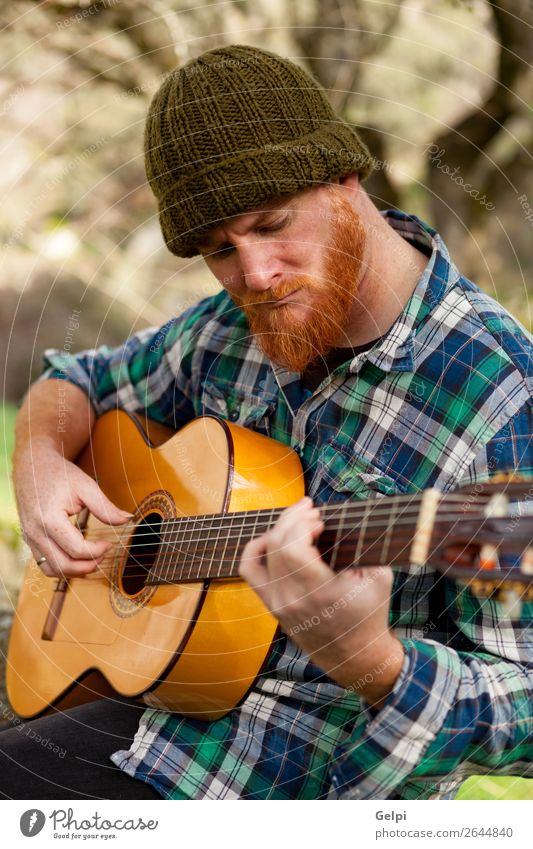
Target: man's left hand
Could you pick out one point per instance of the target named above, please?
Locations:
(340, 619)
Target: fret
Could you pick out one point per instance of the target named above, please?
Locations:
(227, 527)
(194, 555)
(177, 550)
(338, 536)
(159, 561)
(488, 555)
(388, 533)
(214, 541)
(252, 532)
(185, 549)
(172, 561)
(362, 533)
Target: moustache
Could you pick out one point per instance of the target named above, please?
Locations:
(284, 288)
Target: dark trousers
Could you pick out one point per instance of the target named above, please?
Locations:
(66, 755)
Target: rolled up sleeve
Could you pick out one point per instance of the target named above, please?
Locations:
(448, 712)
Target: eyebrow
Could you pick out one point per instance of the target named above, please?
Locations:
(207, 244)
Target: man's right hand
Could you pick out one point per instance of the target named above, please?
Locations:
(50, 488)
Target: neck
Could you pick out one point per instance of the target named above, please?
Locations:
(391, 271)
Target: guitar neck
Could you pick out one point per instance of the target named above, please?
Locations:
(364, 533)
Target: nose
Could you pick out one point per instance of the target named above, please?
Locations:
(259, 268)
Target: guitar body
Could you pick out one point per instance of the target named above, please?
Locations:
(194, 647)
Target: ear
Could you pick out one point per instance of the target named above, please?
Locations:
(350, 181)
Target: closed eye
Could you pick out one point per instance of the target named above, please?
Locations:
(225, 249)
(272, 228)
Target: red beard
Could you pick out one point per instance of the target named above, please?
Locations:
(296, 343)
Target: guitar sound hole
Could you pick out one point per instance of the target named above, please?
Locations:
(144, 547)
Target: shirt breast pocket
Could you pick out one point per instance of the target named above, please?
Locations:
(243, 408)
(342, 475)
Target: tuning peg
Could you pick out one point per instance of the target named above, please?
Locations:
(526, 564)
(495, 508)
(488, 557)
(510, 601)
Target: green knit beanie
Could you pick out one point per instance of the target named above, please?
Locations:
(234, 128)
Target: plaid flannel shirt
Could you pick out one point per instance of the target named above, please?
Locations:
(443, 399)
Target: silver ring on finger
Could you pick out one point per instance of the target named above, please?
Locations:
(41, 560)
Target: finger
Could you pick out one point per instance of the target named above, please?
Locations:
(58, 563)
(302, 503)
(382, 575)
(295, 534)
(296, 511)
(296, 520)
(72, 542)
(100, 506)
(252, 564)
(300, 561)
(294, 541)
(57, 527)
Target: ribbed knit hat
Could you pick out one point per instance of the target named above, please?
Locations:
(233, 128)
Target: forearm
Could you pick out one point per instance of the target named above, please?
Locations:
(56, 415)
(371, 672)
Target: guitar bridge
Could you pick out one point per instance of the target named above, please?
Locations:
(54, 611)
(61, 587)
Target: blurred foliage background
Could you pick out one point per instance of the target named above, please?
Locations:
(441, 90)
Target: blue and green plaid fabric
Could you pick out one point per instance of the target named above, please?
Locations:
(443, 399)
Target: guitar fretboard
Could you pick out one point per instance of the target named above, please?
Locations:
(373, 532)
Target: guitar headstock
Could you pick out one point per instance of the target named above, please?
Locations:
(483, 537)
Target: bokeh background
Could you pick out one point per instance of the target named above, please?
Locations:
(441, 91)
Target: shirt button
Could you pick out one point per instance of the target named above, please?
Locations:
(234, 415)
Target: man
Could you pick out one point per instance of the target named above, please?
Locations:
(350, 336)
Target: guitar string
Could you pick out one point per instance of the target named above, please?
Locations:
(247, 517)
(227, 518)
(411, 503)
(166, 565)
(174, 564)
(171, 554)
(162, 573)
(167, 538)
(205, 574)
(230, 524)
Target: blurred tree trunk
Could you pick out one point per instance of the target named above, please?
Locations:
(337, 41)
(468, 145)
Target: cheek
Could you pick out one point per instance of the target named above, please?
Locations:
(227, 274)
(307, 253)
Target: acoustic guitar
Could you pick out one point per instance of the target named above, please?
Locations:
(166, 619)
